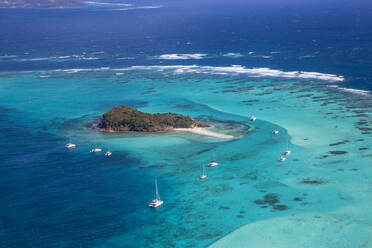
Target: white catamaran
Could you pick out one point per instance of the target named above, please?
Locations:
(108, 153)
(96, 150)
(213, 163)
(287, 152)
(156, 202)
(70, 145)
(204, 175)
(282, 159)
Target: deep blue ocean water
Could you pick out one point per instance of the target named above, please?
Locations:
(323, 36)
(51, 197)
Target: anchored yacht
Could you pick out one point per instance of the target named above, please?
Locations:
(156, 202)
(108, 153)
(287, 152)
(96, 150)
(70, 145)
(204, 175)
(213, 162)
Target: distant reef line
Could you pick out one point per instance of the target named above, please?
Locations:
(41, 4)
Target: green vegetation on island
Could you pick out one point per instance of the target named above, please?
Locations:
(126, 119)
(41, 3)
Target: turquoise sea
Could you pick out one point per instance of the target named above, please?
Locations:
(54, 85)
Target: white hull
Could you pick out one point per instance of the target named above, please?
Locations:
(275, 132)
(212, 164)
(156, 203)
(282, 159)
(70, 145)
(287, 152)
(253, 118)
(204, 175)
(96, 150)
(108, 154)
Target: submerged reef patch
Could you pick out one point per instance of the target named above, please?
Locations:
(271, 200)
(322, 157)
(315, 181)
(337, 152)
(280, 207)
(339, 143)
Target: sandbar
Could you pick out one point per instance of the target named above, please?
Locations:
(204, 131)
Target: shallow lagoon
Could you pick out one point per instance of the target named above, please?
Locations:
(59, 198)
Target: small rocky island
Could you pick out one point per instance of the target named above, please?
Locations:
(126, 119)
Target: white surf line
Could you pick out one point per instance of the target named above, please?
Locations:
(174, 56)
(238, 69)
(141, 7)
(233, 55)
(108, 4)
(354, 91)
(234, 70)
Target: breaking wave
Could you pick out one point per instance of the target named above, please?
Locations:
(238, 69)
(183, 56)
(351, 90)
(142, 7)
(233, 55)
(108, 4)
(52, 58)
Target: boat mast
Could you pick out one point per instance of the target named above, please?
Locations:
(156, 190)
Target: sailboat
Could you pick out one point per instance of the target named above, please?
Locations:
(287, 152)
(156, 202)
(70, 145)
(275, 132)
(253, 118)
(204, 175)
(108, 153)
(96, 150)
(213, 163)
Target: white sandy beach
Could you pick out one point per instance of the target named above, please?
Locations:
(204, 131)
